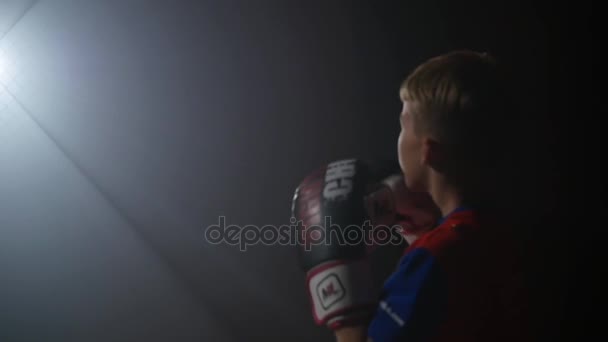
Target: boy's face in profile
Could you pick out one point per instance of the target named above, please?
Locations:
(410, 151)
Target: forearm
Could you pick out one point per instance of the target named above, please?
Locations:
(352, 334)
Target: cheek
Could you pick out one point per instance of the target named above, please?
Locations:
(409, 160)
(406, 147)
(400, 150)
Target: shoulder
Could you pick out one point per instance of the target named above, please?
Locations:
(458, 234)
(439, 239)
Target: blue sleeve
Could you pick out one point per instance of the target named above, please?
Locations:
(413, 302)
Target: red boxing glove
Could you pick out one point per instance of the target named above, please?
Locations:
(330, 205)
(393, 204)
(337, 205)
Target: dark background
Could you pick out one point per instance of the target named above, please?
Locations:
(134, 125)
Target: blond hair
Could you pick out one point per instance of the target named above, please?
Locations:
(460, 100)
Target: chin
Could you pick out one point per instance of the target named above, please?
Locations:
(418, 184)
(412, 184)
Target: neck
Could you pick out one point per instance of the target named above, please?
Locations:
(446, 197)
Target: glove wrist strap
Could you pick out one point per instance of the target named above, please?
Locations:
(341, 289)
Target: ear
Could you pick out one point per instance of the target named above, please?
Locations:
(432, 153)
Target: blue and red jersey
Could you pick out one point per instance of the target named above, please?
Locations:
(461, 281)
